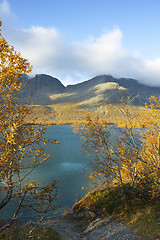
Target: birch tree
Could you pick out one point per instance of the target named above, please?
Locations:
(126, 154)
(21, 144)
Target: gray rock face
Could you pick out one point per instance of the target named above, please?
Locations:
(41, 87)
(44, 89)
(71, 227)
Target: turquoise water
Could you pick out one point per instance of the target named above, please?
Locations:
(67, 164)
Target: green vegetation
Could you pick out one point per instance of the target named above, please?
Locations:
(124, 200)
(22, 233)
(147, 222)
(132, 204)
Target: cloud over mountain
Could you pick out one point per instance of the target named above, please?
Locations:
(49, 52)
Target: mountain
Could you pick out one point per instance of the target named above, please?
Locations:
(45, 89)
(41, 87)
(113, 89)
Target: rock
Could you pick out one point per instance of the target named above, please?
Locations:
(85, 212)
(71, 227)
(91, 227)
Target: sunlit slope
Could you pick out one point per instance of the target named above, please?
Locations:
(46, 90)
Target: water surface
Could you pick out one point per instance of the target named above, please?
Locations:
(66, 164)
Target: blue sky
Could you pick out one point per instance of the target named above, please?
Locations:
(75, 40)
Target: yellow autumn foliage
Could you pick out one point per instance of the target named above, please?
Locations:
(21, 144)
(128, 153)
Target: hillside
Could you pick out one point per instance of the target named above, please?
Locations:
(41, 87)
(46, 90)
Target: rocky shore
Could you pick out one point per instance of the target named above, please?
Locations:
(73, 227)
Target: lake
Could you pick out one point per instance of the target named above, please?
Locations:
(66, 164)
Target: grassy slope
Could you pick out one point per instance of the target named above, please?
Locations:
(21, 232)
(70, 113)
(126, 203)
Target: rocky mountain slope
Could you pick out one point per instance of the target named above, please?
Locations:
(40, 87)
(45, 90)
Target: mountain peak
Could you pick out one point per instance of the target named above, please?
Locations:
(45, 89)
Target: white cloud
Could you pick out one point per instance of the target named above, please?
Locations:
(6, 15)
(150, 72)
(50, 53)
(101, 54)
(39, 45)
(5, 8)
